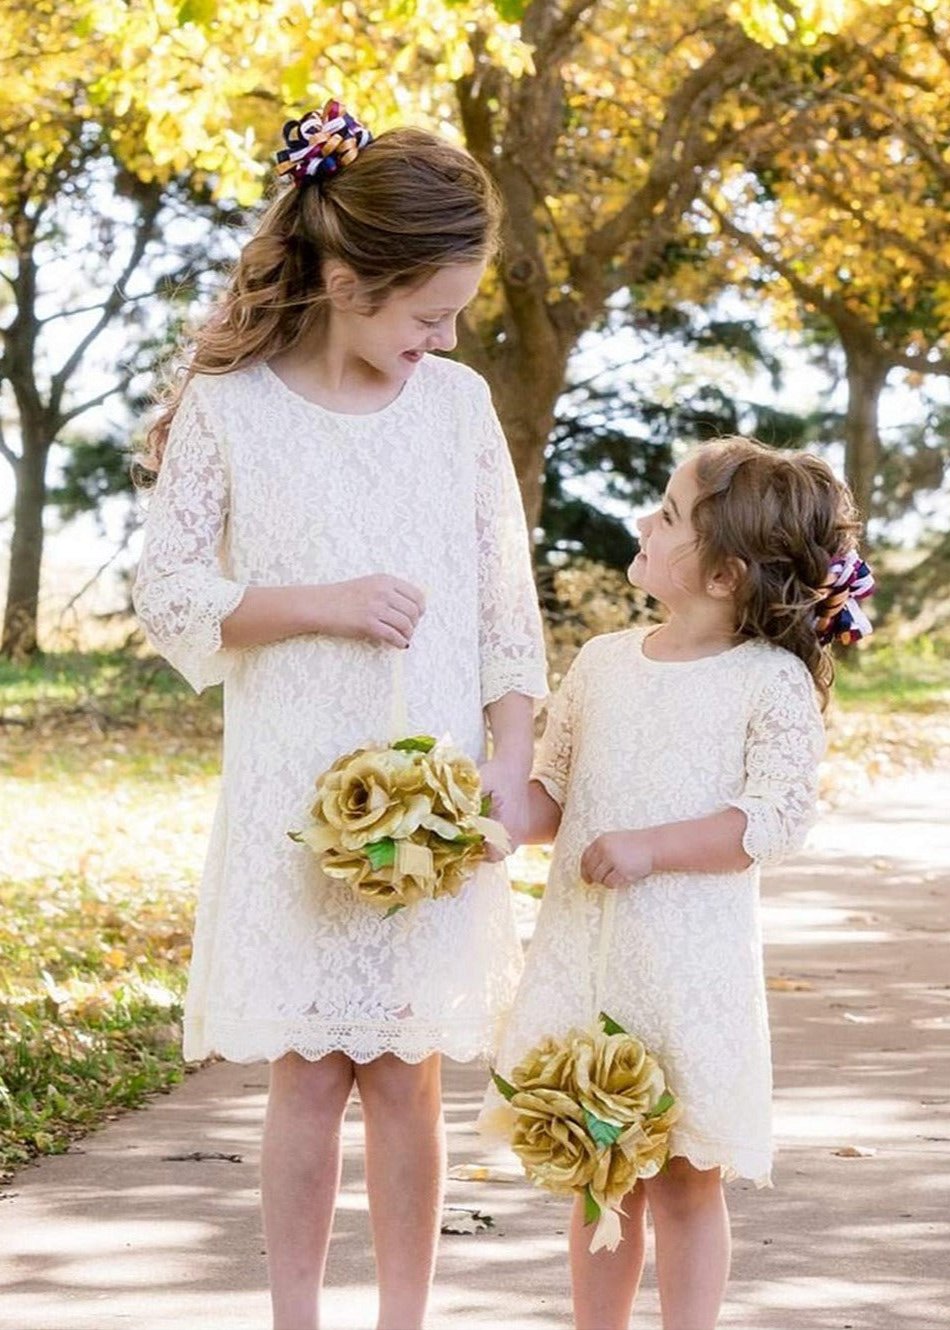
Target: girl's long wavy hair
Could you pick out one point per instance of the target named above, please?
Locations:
(410, 204)
(781, 517)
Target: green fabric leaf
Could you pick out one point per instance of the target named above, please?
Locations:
(601, 1133)
(393, 909)
(380, 853)
(416, 743)
(591, 1208)
(610, 1025)
(503, 1086)
(296, 836)
(665, 1101)
(485, 805)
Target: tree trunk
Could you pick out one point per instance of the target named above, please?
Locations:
(26, 552)
(525, 397)
(867, 372)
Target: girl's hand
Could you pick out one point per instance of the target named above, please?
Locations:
(618, 858)
(507, 783)
(380, 608)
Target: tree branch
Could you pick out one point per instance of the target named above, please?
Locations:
(119, 387)
(919, 364)
(113, 303)
(672, 181)
(7, 452)
(832, 307)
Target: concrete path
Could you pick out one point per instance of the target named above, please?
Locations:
(118, 1234)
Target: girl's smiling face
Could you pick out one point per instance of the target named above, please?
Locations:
(412, 321)
(667, 566)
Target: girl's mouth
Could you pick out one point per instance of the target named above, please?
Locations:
(413, 356)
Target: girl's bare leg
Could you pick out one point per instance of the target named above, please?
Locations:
(405, 1176)
(300, 1177)
(693, 1246)
(605, 1284)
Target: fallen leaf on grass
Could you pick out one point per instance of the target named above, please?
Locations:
(854, 1152)
(456, 1219)
(482, 1173)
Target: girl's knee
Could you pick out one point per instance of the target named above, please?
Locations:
(681, 1189)
(401, 1088)
(316, 1088)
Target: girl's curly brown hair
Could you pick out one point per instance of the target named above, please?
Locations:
(780, 518)
(410, 204)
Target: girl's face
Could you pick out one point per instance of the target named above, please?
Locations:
(667, 566)
(413, 321)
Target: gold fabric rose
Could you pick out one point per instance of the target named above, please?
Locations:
(591, 1113)
(402, 822)
(454, 783)
(374, 795)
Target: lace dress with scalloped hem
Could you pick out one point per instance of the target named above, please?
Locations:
(634, 742)
(260, 487)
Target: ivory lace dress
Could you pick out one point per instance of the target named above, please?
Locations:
(260, 487)
(633, 742)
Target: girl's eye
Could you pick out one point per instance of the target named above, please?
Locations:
(666, 517)
(430, 323)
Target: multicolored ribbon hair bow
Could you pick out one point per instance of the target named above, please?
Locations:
(320, 143)
(839, 617)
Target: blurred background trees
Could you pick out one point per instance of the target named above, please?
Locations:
(704, 200)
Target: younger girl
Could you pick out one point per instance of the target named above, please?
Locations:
(332, 495)
(676, 760)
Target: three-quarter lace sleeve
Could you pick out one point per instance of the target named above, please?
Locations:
(181, 593)
(785, 743)
(511, 642)
(552, 762)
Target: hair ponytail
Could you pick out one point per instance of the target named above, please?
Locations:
(785, 516)
(409, 204)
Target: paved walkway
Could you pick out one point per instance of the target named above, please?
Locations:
(116, 1234)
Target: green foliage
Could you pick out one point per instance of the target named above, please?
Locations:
(114, 690)
(912, 676)
(105, 767)
(90, 1005)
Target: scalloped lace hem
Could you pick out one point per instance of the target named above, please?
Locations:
(733, 1163)
(529, 680)
(268, 1041)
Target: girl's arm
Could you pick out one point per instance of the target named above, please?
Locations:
(711, 844)
(379, 608)
(542, 815)
(505, 774)
(767, 821)
(525, 807)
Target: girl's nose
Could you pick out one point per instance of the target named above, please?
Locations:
(641, 525)
(445, 338)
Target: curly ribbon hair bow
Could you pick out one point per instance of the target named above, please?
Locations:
(839, 616)
(320, 143)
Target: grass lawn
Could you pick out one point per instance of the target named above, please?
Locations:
(107, 767)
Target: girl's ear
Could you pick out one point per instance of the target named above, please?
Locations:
(342, 285)
(725, 582)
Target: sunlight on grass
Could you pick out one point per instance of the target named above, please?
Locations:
(106, 797)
